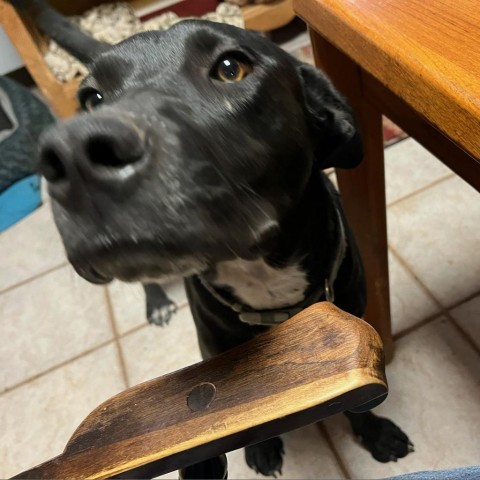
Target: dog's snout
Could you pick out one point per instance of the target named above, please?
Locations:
(113, 151)
(51, 165)
(99, 151)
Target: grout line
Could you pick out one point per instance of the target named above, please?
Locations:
(146, 324)
(411, 271)
(396, 142)
(34, 277)
(442, 179)
(465, 335)
(134, 329)
(426, 290)
(56, 367)
(462, 301)
(86, 352)
(323, 430)
(121, 357)
(442, 311)
(421, 189)
(416, 326)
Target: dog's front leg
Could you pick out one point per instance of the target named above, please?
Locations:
(380, 436)
(266, 457)
(160, 308)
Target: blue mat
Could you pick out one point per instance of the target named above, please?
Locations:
(23, 117)
(18, 200)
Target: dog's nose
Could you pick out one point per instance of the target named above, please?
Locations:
(101, 152)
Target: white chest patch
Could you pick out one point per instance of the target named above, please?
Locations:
(261, 286)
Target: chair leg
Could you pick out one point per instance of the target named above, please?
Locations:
(363, 189)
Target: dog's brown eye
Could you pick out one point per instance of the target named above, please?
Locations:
(231, 69)
(90, 98)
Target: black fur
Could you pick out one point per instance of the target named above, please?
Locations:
(160, 308)
(177, 171)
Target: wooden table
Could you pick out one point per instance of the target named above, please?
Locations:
(418, 62)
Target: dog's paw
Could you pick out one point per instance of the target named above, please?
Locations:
(381, 437)
(389, 443)
(160, 308)
(266, 457)
(161, 315)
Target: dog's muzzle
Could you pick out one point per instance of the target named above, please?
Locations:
(98, 152)
(133, 203)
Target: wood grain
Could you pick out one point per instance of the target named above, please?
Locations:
(320, 362)
(427, 53)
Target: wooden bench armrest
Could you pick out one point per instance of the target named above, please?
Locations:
(318, 363)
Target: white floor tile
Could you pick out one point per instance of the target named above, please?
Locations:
(467, 316)
(153, 351)
(437, 233)
(434, 385)
(48, 321)
(30, 247)
(408, 302)
(37, 419)
(409, 167)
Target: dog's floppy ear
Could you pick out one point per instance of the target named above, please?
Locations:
(337, 139)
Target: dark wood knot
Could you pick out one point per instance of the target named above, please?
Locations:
(201, 397)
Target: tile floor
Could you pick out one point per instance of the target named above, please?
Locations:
(67, 345)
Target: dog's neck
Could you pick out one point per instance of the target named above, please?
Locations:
(261, 286)
(299, 261)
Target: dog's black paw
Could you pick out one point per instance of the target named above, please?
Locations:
(160, 308)
(380, 436)
(161, 315)
(266, 457)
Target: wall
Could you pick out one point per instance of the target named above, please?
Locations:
(9, 59)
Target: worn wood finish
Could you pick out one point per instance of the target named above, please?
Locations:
(427, 53)
(363, 188)
(320, 362)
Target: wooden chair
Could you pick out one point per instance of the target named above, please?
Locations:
(418, 63)
(321, 362)
(31, 44)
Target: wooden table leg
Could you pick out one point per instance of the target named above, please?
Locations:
(363, 189)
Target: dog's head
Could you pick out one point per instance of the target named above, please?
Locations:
(193, 145)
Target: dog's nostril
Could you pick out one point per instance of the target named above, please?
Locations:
(109, 152)
(51, 166)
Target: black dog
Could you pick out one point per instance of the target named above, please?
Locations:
(200, 154)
